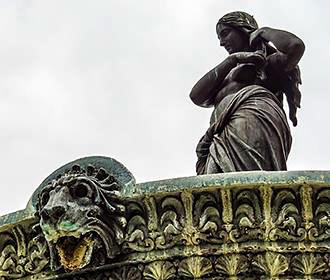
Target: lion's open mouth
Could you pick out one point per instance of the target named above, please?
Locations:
(75, 253)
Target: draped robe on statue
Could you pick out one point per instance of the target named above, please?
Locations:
(248, 131)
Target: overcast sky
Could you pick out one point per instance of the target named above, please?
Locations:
(113, 77)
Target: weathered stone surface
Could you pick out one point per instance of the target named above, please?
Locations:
(248, 225)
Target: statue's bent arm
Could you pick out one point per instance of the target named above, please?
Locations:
(289, 47)
(206, 89)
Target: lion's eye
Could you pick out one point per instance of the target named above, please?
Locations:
(80, 191)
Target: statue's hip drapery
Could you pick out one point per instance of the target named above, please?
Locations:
(248, 131)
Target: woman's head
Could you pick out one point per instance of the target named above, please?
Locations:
(239, 20)
(234, 29)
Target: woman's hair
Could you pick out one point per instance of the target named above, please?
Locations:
(246, 23)
(240, 20)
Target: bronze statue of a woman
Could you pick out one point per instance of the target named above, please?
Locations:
(248, 128)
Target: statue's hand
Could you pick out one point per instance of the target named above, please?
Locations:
(256, 58)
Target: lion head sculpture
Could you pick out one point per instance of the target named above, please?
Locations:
(81, 217)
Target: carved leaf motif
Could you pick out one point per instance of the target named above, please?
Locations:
(308, 264)
(313, 234)
(37, 255)
(206, 224)
(171, 214)
(232, 265)
(159, 270)
(8, 261)
(283, 196)
(252, 199)
(324, 194)
(272, 264)
(137, 229)
(247, 214)
(207, 218)
(126, 273)
(322, 214)
(195, 267)
(170, 218)
(19, 258)
(286, 218)
(324, 220)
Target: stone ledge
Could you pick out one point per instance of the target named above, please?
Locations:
(269, 225)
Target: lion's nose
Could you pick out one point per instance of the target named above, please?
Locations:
(53, 213)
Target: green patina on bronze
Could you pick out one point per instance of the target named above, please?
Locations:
(247, 225)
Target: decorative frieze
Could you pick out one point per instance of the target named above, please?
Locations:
(87, 225)
(22, 253)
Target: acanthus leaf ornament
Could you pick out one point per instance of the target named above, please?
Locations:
(321, 228)
(159, 270)
(247, 217)
(22, 253)
(232, 264)
(286, 218)
(308, 264)
(195, 267)
(137, 237)
(271, 264)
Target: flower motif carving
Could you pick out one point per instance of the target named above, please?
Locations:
(271, 264)
(159, 270)
(308, 264)
(195, 267)
(232, 265)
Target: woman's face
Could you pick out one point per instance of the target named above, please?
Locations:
(232, 39)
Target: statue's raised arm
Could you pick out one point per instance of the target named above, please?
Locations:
(248, 128)
(289, 47)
